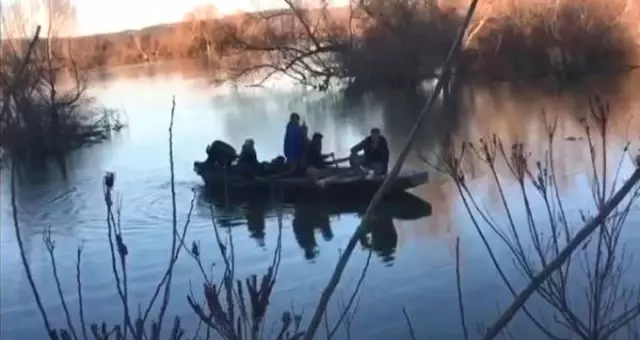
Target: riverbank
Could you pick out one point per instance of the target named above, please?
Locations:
(506, 40)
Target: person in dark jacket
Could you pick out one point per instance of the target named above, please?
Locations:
(314, 156)
(376, 153)
(305, 136)
(277, 166)
(220, 154)
(294, 140)
(248, 162)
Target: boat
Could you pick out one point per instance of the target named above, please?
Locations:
(334, 182)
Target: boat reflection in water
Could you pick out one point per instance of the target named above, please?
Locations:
(382, 237)
(312, 217)
(307, 218)
(255, 216)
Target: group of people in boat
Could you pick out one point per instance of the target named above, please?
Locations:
(303, 156)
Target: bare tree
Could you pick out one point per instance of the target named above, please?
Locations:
(200, 23)
(61, 16)
(369, 44)
(139, 43)
(50, 111)
(299, 42)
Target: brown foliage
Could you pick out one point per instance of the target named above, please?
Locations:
(396, 43)
(299, 42)
(390, 42)
(383, 43)
(528, 37)
(157, 43)
(45, 109)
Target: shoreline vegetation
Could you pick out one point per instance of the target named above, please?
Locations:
(383, 43)
(554, 249)
(46, 111)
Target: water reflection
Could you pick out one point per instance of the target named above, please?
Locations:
(382, 237)
(186, 69)
(310, 217)
(255, 216)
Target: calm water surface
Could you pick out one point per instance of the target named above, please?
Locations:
(414, 264)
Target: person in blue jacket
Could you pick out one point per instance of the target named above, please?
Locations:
(294, 140)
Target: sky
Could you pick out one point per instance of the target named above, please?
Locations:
(99, 16)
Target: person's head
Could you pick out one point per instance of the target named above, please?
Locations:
(248, 143)
(316, 140)
(375, 134)
(294, 118)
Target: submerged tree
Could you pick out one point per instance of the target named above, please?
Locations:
(369, 44)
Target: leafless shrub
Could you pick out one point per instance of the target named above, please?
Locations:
(548, 248)
(46, 110)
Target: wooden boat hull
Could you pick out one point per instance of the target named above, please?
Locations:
(341, 182)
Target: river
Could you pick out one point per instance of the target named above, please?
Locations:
(414, 263)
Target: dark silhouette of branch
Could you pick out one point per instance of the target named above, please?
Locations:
(459, 289)
(174, 220)
(50, 245)
(563, 256)
(412, 332)
(83, 323)
(14, 206)
(353, 297)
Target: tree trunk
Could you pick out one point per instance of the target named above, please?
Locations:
(209, 52)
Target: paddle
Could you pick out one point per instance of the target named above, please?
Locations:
(335, 161)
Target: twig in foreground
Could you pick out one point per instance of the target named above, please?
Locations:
(563, 256)
(83, 324)
(14, 206)
(459, 288)
(354, 295)
(51, 246)
(408, 319)
(174, 222)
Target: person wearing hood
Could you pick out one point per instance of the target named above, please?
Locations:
(294, 141)
(248, 162)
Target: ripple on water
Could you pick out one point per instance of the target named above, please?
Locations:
(61, 205)
(147, 203)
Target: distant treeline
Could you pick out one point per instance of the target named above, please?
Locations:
(387, 41)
